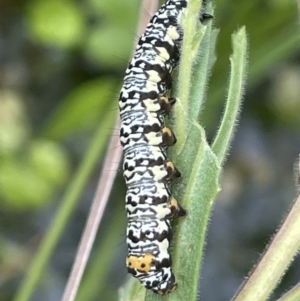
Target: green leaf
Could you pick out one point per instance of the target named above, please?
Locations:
(49, 160)
(116, 12)
(201, 73)
(200, 171)
(82, 108)
(132, 291)
(235, 92)
(102, 48)
(55, 22)
(21, 188)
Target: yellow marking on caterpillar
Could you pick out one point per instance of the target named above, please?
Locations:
(141, 263)
(173, 203)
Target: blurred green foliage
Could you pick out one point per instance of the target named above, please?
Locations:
(95, 27)
(58, 23)
(84, 105)
(62, 63)
(273, 34)
(28, 178)
(109, 41)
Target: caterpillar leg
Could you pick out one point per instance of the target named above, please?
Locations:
(168, 137)
(205, 16)
(166, 104)
(173, 172)
(176, 209)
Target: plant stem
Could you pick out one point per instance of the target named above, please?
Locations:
(275, 261)
(292, 295)
(188, 55)
(64, 212)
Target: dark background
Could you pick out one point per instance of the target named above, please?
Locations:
(62, 64)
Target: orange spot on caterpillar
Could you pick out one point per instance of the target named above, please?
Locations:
(140, 263)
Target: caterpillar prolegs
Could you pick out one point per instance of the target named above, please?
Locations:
(147, 171)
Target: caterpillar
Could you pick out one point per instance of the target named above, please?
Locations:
(143, 103)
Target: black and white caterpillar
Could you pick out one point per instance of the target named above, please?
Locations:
(147, 171)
